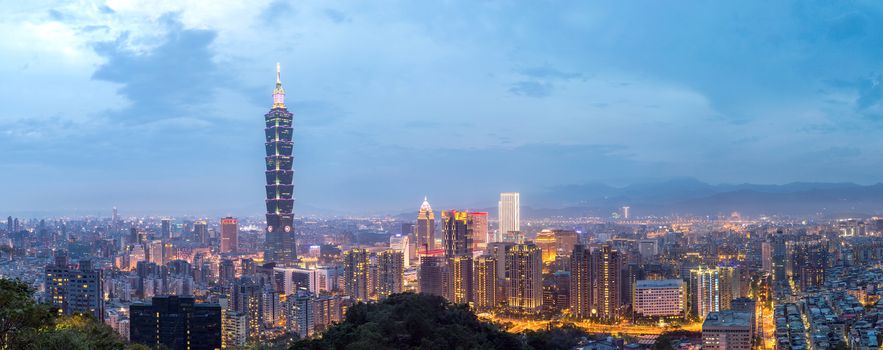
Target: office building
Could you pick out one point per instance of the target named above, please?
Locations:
(509, 214)
(280, 242)
(524, 264)
(356, 274)
(479, 229)
(485, 285)
(433, 275)
(229, 235)
(176, 322)
(75, 290)
(425, 230)
(200, 232)
(546, 242)
(659, 299)
(166, 229)
(726, 330)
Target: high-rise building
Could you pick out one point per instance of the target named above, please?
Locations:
(229, 235)
(565, 241)
(390, 272)
(154, 252)
(581, 282)
(226, 272)
(608, 283)
(402, 243)
(235, 329)
(433, 278)
(425, 231)
(247, 293)
(485, 285)
(499, 250)
(625, 212)
(704, 291)
(479, 229)
(730, 284)
(115, 218)
(727, 330)
(525, 282)
(356, 274)
(200, 231)
(178, 323)
(73, 290)
(457, 231)
(9, 224)
(659, 298)
(460, 280)
(546, 242)
(166, 229)
(509, 214)
(766, 257)
(280, 242)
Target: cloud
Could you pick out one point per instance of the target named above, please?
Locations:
(176, 79)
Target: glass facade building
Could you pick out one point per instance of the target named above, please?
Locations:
(280, 243)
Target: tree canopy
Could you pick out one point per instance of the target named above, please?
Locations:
(25, 324)
(420, 321)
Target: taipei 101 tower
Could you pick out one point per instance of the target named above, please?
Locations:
(280, 246)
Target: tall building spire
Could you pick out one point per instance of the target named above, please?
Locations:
(278, 92)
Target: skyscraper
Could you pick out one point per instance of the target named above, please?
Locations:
(457, 232)
(355, 274)
(485, 282)
(229, 235)
(510, 214)
(425, 227)
(581, 282)
(166, 229)
(479, 229)
(176, 322)
(525, 283)
(9, 224)
(607, 272)
(280, 244)
(200, 231)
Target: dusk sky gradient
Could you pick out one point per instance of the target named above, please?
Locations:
(158, 109)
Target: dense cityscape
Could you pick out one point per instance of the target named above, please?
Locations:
(441, 175)
(625, 280)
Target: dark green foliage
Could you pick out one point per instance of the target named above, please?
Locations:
(412, 321)
(563, 338)
(20, 317)
(24, 324)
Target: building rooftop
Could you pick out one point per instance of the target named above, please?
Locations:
(727, 318)
(659, 283)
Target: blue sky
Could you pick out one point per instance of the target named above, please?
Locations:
(157, 108)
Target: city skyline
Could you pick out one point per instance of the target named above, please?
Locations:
(588, 106)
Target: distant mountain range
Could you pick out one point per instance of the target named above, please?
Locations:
(687, 196)
(691, 197)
